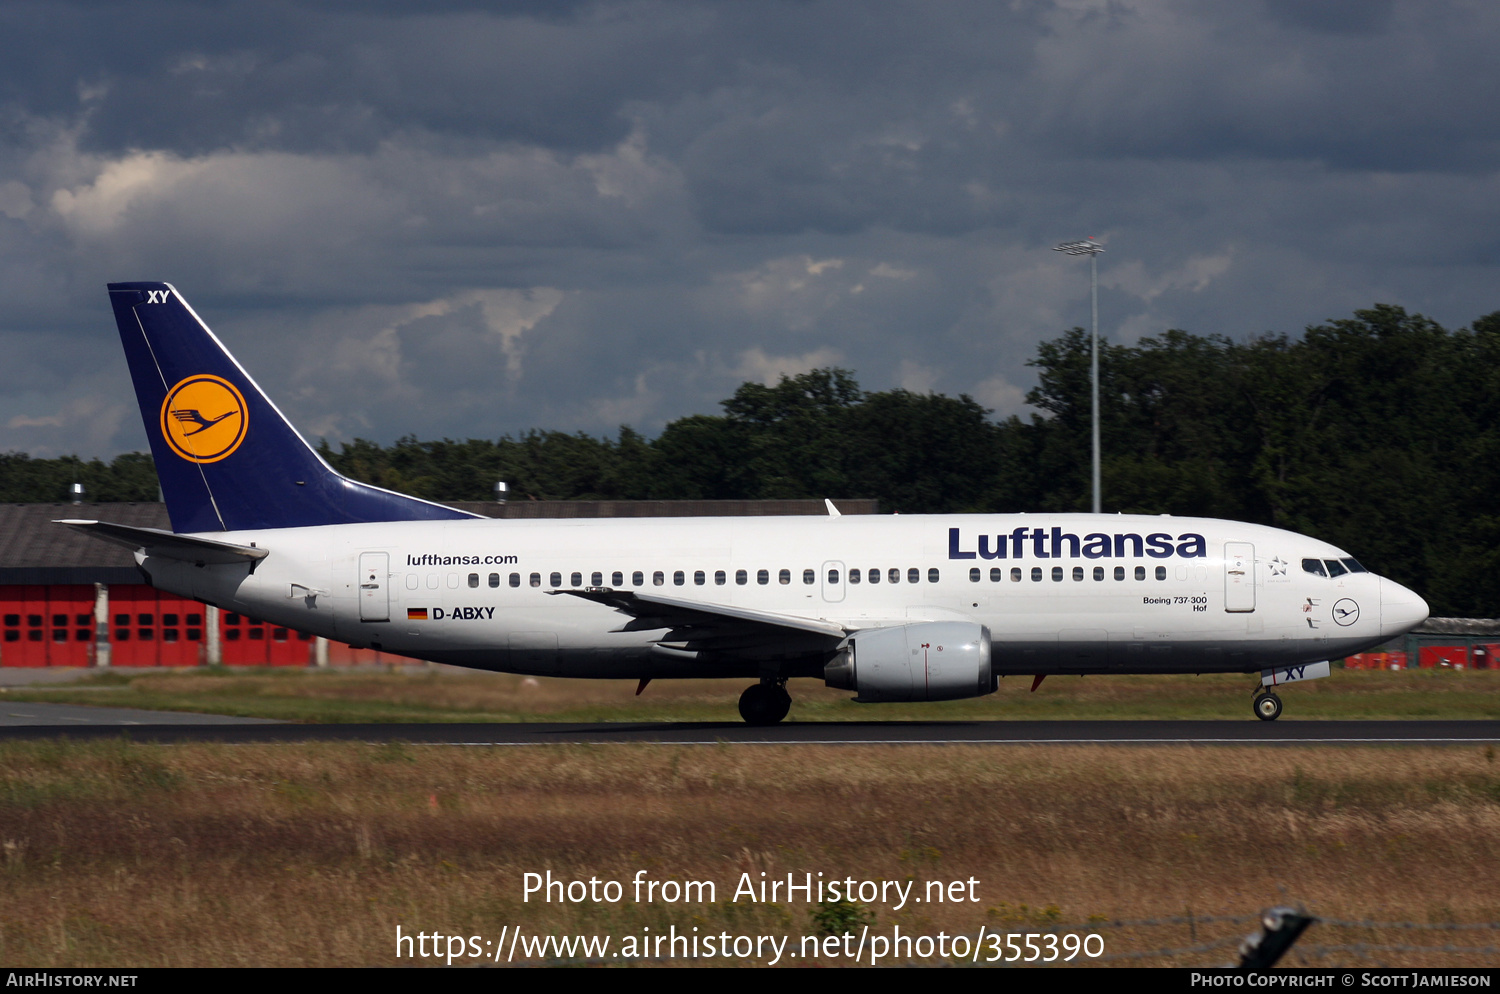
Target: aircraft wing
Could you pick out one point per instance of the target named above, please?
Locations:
(715, 627)
(155, 542)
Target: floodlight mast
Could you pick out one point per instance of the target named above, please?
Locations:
(1091, 248)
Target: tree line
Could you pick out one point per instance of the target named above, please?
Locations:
(1379, 433)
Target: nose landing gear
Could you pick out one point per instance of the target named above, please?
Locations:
(765, 703)
(1267, 706)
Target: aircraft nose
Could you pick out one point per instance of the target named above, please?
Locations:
(1401, 610)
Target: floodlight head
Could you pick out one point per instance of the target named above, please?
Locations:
(1083, 247)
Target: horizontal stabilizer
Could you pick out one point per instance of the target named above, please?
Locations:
(155, 542)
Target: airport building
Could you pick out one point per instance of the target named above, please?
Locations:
(70, 600)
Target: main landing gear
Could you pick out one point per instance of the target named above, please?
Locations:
(765, 703)
(1267, 706)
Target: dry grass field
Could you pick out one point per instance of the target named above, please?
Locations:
(118, 854)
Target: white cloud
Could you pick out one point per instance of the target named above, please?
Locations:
(1194, 275)
(916, 377)
(1001, 396)
(756, 365)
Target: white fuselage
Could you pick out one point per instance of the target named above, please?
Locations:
(1059, 593)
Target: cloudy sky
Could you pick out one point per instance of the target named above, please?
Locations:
(470, 219)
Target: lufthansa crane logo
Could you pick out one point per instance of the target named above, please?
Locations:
(204, 418)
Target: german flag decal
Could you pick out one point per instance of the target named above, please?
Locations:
(416, 614)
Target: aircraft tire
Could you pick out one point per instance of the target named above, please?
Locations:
(764, 704)
(1267, 707)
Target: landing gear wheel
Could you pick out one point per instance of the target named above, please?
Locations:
(1267, 707)
(764, 704)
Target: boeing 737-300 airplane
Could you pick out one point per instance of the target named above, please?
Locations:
(894, 608)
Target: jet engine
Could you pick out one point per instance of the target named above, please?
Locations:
(932, 661)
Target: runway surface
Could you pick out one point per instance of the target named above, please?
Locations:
(18, 714)
(31, 721)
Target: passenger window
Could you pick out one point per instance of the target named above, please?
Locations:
(810, 576)
(473, 579)
(1119, 572)
(1077, 573)
(658, 578)
(536, 579)
(1161, 572)
(1036, 574)
(719, 578)
(637, 578)
(1140, 572)
(617, 579)
(854, 576)
(932, 575)
(576, 580)
(873, 576)
(997, 574)
(741, 577)
(893, 575)
(515, 579)
(678, 579)
(974, 574)
(1098, 572)
(784, 577)
(762, 577)
(495, 579)
(913, 576)
(554, 580)
(833, 576)
(699, 579)
(1335, 568)
(597, 580)
(1057, 574)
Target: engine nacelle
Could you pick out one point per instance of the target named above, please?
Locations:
(932, 661)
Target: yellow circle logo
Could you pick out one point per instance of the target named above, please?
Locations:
(203, 418)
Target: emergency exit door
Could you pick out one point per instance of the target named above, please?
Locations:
(374, 586)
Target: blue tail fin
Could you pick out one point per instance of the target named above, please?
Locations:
(226, 457)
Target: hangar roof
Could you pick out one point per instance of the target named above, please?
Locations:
(34, 550)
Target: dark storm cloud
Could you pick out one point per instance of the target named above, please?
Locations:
(463, 218)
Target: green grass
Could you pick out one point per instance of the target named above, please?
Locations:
(445, 695)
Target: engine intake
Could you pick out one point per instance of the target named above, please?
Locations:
(932, 661)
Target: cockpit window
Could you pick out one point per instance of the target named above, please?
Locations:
(1335, 568)
(1354, 566)
(1314, 566)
